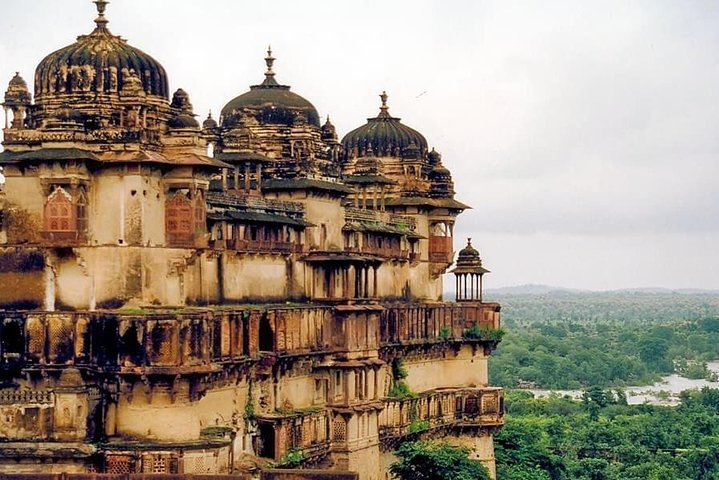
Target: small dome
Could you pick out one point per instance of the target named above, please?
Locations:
(469, 256)
(440, 171)
(184, 118)
(209, 122)
(434, 157)
(181, 101)
(183, 121)
(99, 63)
(329, 133)
(386, 135)
(271, 103)
(17, 93)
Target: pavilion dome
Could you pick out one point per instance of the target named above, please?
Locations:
(99, 63)
(469, 256)
(17, 93)
(385, 135)
(271, 103)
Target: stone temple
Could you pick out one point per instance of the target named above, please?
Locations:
(167, 311)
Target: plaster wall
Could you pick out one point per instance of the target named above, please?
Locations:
(466, 369)
(159, 420)
(325, 212)
(297, 392)
(254, 277)
(366, 462)
(24, 190)
(392, 277)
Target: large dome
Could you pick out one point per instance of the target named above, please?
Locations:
(270, 103)
(384, 135)
(99, 63)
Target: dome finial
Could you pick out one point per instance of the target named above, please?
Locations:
(101, 21)
(384, 109)
(469, 241)
(269, 60)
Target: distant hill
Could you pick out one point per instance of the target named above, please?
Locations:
(537, 289)
(681, 291)
(532, 289)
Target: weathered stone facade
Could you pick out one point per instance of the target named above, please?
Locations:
(166, 311)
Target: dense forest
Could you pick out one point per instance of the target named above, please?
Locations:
(574, 341)
(599, 343)
(602, 438)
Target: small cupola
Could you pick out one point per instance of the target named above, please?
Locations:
(468, 274)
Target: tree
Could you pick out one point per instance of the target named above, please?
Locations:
(436, 461)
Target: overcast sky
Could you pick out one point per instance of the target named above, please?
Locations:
(584, 134)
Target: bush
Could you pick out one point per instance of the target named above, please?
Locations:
(484, 333)
(292, 458)
(436, 461)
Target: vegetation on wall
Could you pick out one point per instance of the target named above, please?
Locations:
(399, 388)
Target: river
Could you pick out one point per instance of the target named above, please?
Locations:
(664, 392)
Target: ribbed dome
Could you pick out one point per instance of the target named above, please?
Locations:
(99, 63)
(385, 135)
(272, 102)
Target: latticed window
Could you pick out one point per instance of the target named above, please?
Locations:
(339, 430)
(60, 213)
(120, 464)
(178, 218)
(185, 217)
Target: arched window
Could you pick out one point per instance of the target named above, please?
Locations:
(199, 212)
(81, 207)
(60, 215)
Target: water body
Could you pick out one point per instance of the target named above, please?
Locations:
(655, 394)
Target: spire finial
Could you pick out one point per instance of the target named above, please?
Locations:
(269, 60)
(101, 21)
(384, 109)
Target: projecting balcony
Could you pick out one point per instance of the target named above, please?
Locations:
(407, 324)
(441, 408)
(305, 429)
(441, 249)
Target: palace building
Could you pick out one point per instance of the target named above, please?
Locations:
(163, 310)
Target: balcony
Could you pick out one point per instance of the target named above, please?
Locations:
(444, 322)
(442, 408)
(153, 341)
(441, 249)
(305, 430)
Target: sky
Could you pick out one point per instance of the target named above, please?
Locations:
(584, 134)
